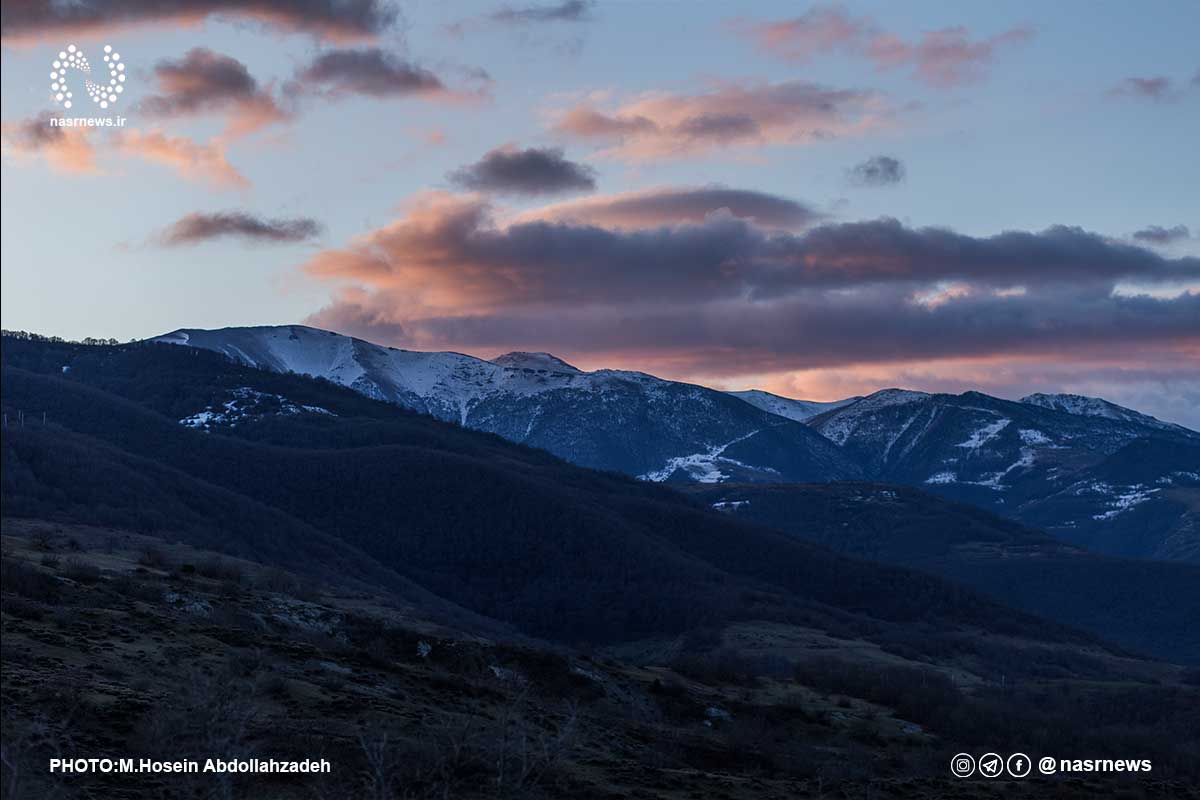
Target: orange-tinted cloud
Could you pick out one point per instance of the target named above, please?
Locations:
(65, 149)
(190, 159)
(725, 297)
(82, 150)
(725, 116)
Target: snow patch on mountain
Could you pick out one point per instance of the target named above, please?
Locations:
(985, 434)
(1132, 497)
(701, 467)
(1031, 437)
(247, 403)
(996, 479)
(1081, 405)
(609, 419)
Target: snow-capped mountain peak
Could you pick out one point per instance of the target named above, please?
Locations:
(1084, 406)
(1080, 467)
(535, 361)
(613, 419)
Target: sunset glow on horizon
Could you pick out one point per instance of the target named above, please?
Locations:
(816, 200)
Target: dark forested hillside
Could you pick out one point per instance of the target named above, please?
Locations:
(1148, 606)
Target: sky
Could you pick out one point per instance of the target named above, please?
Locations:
(820, 200)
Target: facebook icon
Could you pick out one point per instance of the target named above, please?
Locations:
(1019, 765)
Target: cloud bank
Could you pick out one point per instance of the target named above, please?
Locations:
(725, 297)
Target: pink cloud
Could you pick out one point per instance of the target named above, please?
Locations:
(717, 295)
(81, 150)
(65, 149)
(819, 31)
(205, 82)
(676, 205)
(725, 116)
(942, 58)
(190, 159)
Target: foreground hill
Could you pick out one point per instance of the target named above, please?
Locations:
(191, 651)
(1147, 606)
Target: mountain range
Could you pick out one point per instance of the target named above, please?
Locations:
(363, 493)
(222, 557)
(1088, 471)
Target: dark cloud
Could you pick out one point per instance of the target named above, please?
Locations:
(200, 227)
(204, 81)
(1157, 234)
(723, 128)
(877, 171)
(726, 297)
(527, 16)
(1157, 88)
(333, 19)
(809, 331)
(368, 71)
(444, 237)
(508, 170)
(568, 11)
(682, 205)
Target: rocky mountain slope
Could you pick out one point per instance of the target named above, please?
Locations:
(1087, 470)
(608, 419)
(1090, 472)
